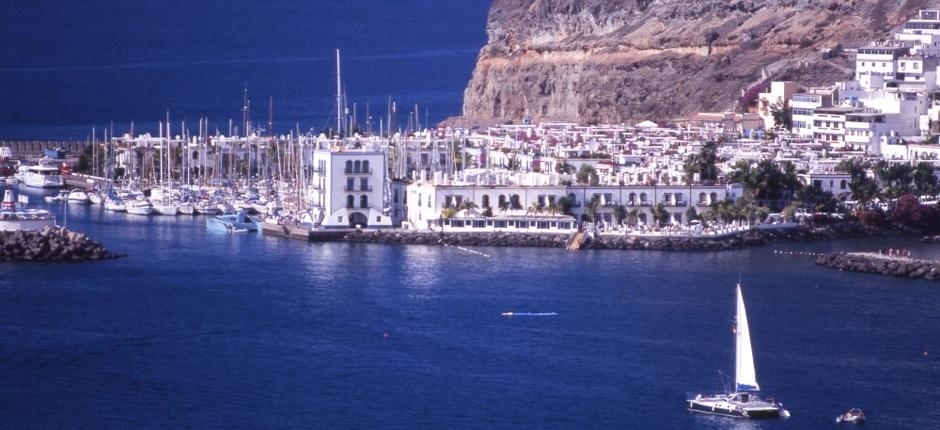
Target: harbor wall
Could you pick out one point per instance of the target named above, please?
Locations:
(33, 149)
(881, 265)
(746, 239)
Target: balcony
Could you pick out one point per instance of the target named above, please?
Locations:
(676, 204)
(366, 189)
(358, 172)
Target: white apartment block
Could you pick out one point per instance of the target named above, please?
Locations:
(346, 188)
(427, 200)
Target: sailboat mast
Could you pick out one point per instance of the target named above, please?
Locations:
(339, 96)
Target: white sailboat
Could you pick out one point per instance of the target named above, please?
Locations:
(744, 402)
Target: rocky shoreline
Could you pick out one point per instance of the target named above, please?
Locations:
(881, 265)
(750, 238)
(931, 239)
(51, 244)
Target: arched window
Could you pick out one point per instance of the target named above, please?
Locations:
(842, 184)
(349, 166)
(714, 198)
(357, 166)
(350, 201)
(702, 198)
(502, 201)
(632, 199)
(365, 166)
(364, 201)
(486, 201)
(642, 197)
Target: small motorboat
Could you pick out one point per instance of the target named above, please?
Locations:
(851, 416)
(114, 205)
(233, 222)
(78, 196)
(139, 207)
(95, 198)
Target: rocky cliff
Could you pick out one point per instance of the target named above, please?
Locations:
(628, 60)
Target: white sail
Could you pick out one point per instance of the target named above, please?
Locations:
(745, 376)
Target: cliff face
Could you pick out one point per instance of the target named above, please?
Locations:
(628, 60)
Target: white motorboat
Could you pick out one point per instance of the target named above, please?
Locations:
(186, 209)
(139, 207)
(167, 209)
(13, 218)
(233, 223)
(40, 176)
(114, 205)
(95, 198)
(851, 416)
(744, 401)
(206, 208)
(78, 196)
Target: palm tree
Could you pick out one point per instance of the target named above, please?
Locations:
(535, 208)
(590, 209)
(466, 205)
(633, 217)
(620, 212)
(660, 214)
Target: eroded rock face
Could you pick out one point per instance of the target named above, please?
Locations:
(627, 60)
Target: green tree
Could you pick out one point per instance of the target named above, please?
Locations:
(782, 114)
(925, 183)
(896, 179)
(691, 214)
(620, 213)
(535, 208)
(592, 207)
(565, 204)
(660, 214)
(587, 175)
(817, 199)
(704, 163)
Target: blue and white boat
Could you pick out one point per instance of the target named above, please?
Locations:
(234, 223)
(744, 401)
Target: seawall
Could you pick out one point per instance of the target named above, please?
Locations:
(882, 265)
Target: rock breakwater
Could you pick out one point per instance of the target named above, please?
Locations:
(882, 265)
(50, 244)
(750, 238)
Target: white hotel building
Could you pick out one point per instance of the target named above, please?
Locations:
(347, 188)
(427, 200)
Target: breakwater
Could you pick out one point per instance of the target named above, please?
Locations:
(931, 239)
(750, 238)
(881, 265)
(50, 244)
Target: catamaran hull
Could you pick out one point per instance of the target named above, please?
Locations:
(756, 413)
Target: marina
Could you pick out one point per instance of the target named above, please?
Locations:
(473, 214)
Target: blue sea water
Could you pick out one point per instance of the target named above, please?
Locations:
(66, 67)
(201, 330)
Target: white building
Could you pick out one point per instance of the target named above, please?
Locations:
(347, 188)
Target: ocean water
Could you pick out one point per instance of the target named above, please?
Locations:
(66, 67)
(202, 330)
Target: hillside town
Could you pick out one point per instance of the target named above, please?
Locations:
(853, 148)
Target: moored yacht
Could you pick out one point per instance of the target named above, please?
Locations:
(78, 196)
(40, 176)
(15, 219)
(744, 401)
(138, 207)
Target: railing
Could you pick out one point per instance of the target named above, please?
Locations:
(348, 188)
(358, 171)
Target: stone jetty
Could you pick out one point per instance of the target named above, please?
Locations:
(50, 244)
(746, 239)
(882, 265)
